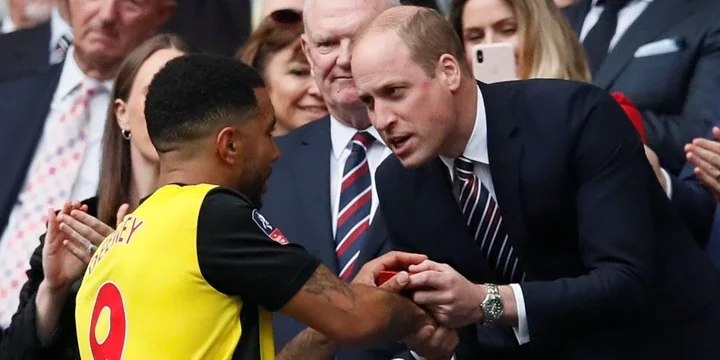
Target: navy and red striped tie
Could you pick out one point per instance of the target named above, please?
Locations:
(485, 222)
(355, 204)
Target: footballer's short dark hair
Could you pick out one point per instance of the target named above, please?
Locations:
(194, 94)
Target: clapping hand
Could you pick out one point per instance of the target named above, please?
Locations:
(60, 267)
(85, 232)
(704, 154)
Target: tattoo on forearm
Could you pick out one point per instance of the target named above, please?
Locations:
(326, 284)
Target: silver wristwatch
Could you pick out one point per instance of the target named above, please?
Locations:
(492, 305)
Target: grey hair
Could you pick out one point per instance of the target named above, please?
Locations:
(306, 5)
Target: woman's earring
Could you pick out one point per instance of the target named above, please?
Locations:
(126, 134)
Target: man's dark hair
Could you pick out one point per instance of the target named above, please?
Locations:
(194, 94)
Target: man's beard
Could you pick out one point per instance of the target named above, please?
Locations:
(253, 190)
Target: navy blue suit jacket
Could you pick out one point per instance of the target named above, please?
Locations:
(612, 270)
(298, 203)
(676, 91)
(25, 50)
(24, 105)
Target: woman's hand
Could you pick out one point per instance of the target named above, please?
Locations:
(85, 232)
(60, 267)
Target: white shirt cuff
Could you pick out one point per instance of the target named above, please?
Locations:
(418, 357)
(522, 333)
(668, 183)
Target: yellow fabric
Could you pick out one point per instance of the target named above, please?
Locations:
(170, 310)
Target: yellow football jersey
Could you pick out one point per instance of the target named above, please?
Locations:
(192, 273)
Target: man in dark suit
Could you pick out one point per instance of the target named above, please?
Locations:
(32, 48)
(538, 199)
(662, 54)
(322, 192)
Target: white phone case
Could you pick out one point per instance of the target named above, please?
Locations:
(494, 62)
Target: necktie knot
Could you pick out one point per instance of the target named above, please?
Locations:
(91, 87)
(363, 139)
(464, 165)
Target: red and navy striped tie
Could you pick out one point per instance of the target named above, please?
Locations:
(485, 222)
(355, 203)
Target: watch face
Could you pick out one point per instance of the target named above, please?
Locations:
(493, 308)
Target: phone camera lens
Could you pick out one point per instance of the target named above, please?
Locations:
(479, 56)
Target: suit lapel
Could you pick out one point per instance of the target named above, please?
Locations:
(23, 121)
(658, 16)
(505, 152)
(312, 171)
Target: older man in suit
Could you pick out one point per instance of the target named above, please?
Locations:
(538, 192)
(52, 126)
(664, 55)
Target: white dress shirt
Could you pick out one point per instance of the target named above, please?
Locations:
(8, 25)
(341, 136)
(58, 28)
(65, 94)
(626, 17)
(477, 151)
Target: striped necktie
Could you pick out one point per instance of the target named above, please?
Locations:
(355, 203)
(485, 222)
(61, 49)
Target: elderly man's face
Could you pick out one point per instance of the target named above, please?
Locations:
(105, 31)
(331, 25)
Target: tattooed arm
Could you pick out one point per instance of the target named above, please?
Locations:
(352, 314)
(310, 345)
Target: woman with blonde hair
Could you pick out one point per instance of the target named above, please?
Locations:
(545, 44)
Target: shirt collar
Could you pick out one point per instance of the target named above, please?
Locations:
(341, 135)
(58, 28)
(7, 25)
(476, 148)
(72, 77)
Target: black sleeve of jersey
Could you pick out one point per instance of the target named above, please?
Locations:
(237, 258)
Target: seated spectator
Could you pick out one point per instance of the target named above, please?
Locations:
(44, 325)
(52, 122)
(274, 50)
(545, 45)
(664, 56)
